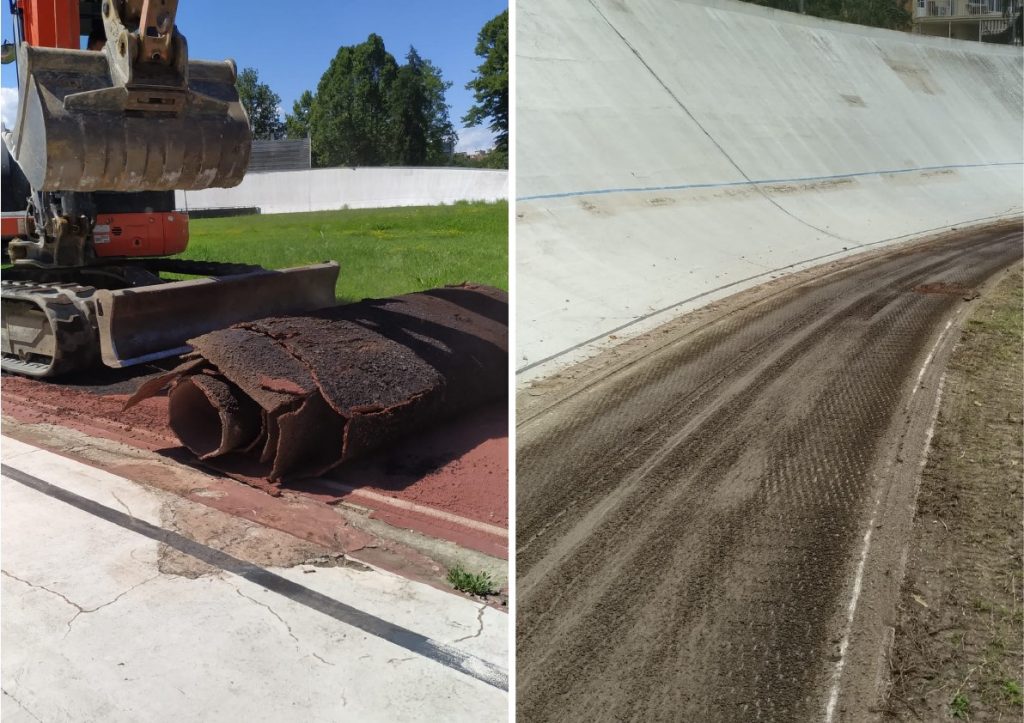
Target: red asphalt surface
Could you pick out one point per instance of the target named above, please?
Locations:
(449, 483)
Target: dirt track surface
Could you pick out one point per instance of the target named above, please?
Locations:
(688, 527)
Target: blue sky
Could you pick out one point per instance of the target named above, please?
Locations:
(291, 44)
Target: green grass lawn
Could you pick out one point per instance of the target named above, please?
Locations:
(382, 252)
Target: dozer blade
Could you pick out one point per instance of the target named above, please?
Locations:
(77, 130)
(153, 322)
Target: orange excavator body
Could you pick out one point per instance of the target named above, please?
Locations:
(51, 24)
(103, 138)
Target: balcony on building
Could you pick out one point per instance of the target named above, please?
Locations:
(993, 21)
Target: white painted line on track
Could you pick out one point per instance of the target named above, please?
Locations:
(851, 611)
(930, 432)
(928, 359)
(858, 580)
(417, 508)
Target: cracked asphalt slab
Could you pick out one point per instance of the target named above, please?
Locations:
(101, 622)
(714, 531)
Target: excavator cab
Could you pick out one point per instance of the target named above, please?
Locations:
(136, 115)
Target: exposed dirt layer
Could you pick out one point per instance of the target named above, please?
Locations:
(293, 397)
(459, 468)
(688, 527)
(947, 288)
(957, 650)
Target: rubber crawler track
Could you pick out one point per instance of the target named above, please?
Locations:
(69, 312)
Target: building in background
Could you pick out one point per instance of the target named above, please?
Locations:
(992, 21)
(280, 155)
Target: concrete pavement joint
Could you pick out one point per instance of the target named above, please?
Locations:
(21, 705)
(43, 587)
(718, 144)
(480, 625)
(446, 655)
(82, 610)
(271, 611)
(325, 662)
(78, 608)
(122, 503)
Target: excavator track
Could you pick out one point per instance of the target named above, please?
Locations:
(47, 328)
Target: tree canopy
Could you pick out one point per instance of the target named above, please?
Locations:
(490, 86)
(890, 14)
(422, 133)
(349, 116)
(296, 123)
(370, 111)
(261, 103)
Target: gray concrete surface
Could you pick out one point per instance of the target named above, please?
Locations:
(672, 152)
(101, 623)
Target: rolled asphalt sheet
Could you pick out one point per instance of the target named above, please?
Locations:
(299, 395)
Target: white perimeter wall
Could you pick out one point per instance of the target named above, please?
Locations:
(329, 189)
(672, 152)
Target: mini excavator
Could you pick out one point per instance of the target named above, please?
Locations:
(103, 137)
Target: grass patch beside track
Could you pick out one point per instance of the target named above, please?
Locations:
(479, 584)
(382, 252)
(957, 652)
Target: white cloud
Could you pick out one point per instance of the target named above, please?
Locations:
(8, 106)
(477, 138)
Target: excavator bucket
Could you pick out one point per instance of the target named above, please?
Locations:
(154, 322)
(79, 129)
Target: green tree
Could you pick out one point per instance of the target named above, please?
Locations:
(890, 14)
(490, 86)
(349, 118)
(261, 103)
(441, 135)
(369, 111)
(296, 123)
(421, 131)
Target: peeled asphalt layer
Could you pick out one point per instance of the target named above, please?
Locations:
(692, 530)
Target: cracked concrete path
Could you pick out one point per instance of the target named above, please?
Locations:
(102, 623)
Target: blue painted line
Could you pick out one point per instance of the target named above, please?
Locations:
(727, 184)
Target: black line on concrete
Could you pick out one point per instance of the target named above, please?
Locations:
(370, 624)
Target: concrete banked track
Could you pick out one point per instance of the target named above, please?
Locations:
(290, 397)
(712, 531)
(671, 152)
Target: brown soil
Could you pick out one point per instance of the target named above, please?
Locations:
(144, 425)
(957, 650)
(946, 288)
(688, 524)
(459, 467)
